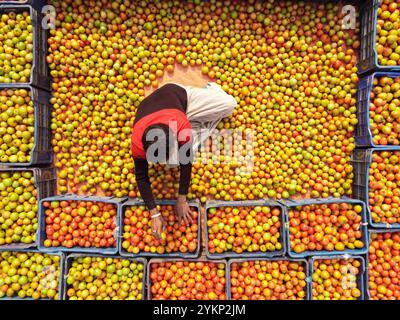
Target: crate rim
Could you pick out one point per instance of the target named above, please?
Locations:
(60, 280)
(370, 232)
(324, 253)
(20, 246)
(200, 259)
(77, 249)
(362, 275)
(35, 125)
(239, 260)
(377, 66)
(367, 83)
(31, 8)
(140, 202)
(369, 152)
(74, 255)
(245, 203)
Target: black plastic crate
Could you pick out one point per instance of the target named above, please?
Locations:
(363, 134)
(41, 233)
(45, 181)
(362, 160)
(41, 152)
(368, 53)
(194, 205)
(201, 259)
(360, 278)
(60, 280)
(370, 233)
(37, 4)
(304, 262)
(290, 204)
(40, 75)
(68, 263)
(243, 204)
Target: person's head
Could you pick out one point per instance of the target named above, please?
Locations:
(160, 144)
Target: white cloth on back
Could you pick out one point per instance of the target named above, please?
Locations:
(206, 108)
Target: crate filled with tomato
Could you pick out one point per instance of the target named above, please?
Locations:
(79, 224)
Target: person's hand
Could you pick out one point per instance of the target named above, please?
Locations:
(158, 224)
(183, 211)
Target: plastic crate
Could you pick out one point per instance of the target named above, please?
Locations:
(60, 285)
(41, 152)
(240, 260)
(41, 236)
(139, 202)
(360, 277)
(261, 203)
(201, 259)
(70, 257)
(322, 253)
(37, 4)
(40, 75)
(362, 160)
(45, 181)
(370, 232)
(368, 53)
(363, 134)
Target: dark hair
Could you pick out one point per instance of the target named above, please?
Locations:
(167, 133)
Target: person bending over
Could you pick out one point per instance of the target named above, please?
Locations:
(169, 126)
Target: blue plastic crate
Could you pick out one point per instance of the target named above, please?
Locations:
(240, 260)
(322, 253)
(360, 277)
(201, 259)
(362, 160)
(41, 152)
(140, 202)
(60, 286)
(261, 203)
(370, 232)
(45, 181)
(368, 53)
(41, 236)
(363, 134)
(40, 75)
(68, 262)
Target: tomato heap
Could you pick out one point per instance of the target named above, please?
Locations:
(80, 224)
(18, 208)
(384, 187)
(336, 279)
(138, 237)
(244, 229)
(92, 278)
(384, 266)
(268, 280)
(29, 275)
(16, 126)
(16, 47)
(184, 280)
(388, 34)
(335, 226)
(385, 111)
(289, 65)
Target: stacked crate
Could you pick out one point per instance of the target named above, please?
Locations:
(374, 160)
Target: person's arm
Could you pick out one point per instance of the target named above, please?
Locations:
(182, 207)
(143, 183)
